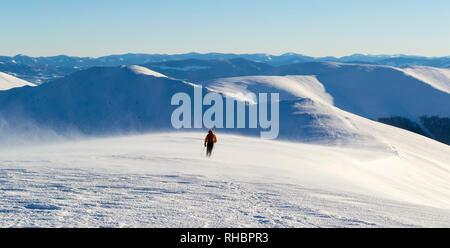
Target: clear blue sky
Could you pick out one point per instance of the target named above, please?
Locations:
(312, 27)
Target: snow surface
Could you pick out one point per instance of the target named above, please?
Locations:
(321, 112)
(438, 78)
(293, 87)
(374, 91)
(164, 180)
(142, 70)
(8, 82)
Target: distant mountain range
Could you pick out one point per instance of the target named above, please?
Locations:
(42, 69)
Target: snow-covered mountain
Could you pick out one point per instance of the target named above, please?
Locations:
(112, 100)
(96, 101)
(316, 105)
(8, 82)
(376, 91)
(385, 93)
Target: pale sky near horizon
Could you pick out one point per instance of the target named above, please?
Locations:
(315, 28)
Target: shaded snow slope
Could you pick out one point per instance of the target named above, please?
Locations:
(7, 82)
(95, 101)
(162, 180)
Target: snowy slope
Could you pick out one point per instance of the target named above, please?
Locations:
(7, 82)
(309, 108)
(375, 91)
(162, 180)
(95, 101)
(438, 78)
(290, 87)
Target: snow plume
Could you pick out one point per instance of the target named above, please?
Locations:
(22, 132)
(145, 71)
(8, 82)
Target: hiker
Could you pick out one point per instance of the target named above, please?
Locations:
(209, 142)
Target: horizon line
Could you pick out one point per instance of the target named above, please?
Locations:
(227, 53)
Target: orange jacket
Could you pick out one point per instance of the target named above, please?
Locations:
(214, 138)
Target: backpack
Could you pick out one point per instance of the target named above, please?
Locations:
(210, 138)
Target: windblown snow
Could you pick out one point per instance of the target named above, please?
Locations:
(439, 78)
(292, 87)
(8, 82)
(321, 111)
(145, 71)
(163, 180)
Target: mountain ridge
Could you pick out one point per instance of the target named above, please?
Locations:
(107, 100)
(42, 69)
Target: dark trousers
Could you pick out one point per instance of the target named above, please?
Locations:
(209, 148)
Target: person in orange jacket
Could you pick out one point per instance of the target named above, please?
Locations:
(210, 139)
